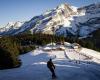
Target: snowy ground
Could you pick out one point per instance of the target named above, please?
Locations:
(66, 62)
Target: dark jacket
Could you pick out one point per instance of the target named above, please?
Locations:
(50, 65)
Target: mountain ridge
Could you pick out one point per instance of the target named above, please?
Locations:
(65, 19)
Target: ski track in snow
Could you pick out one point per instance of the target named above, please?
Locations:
(34, 67)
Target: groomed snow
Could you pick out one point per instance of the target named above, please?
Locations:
(66, 62)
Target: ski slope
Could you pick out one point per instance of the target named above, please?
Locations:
(34, 66)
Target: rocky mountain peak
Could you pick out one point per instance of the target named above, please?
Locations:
(66, 20)
(67, 7)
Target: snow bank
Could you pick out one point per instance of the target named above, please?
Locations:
(91, 53)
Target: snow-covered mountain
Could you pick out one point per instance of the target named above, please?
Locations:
(10, 27)
(62, 20)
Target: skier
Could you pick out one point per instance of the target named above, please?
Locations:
(51, 67)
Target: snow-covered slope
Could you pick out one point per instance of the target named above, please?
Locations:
(51, 18)
(67, 65)
(64, 20)
(10, 27)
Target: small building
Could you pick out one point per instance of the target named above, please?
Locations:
(47, 49)
(68, 45)
(60, 47)
(76, 46)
